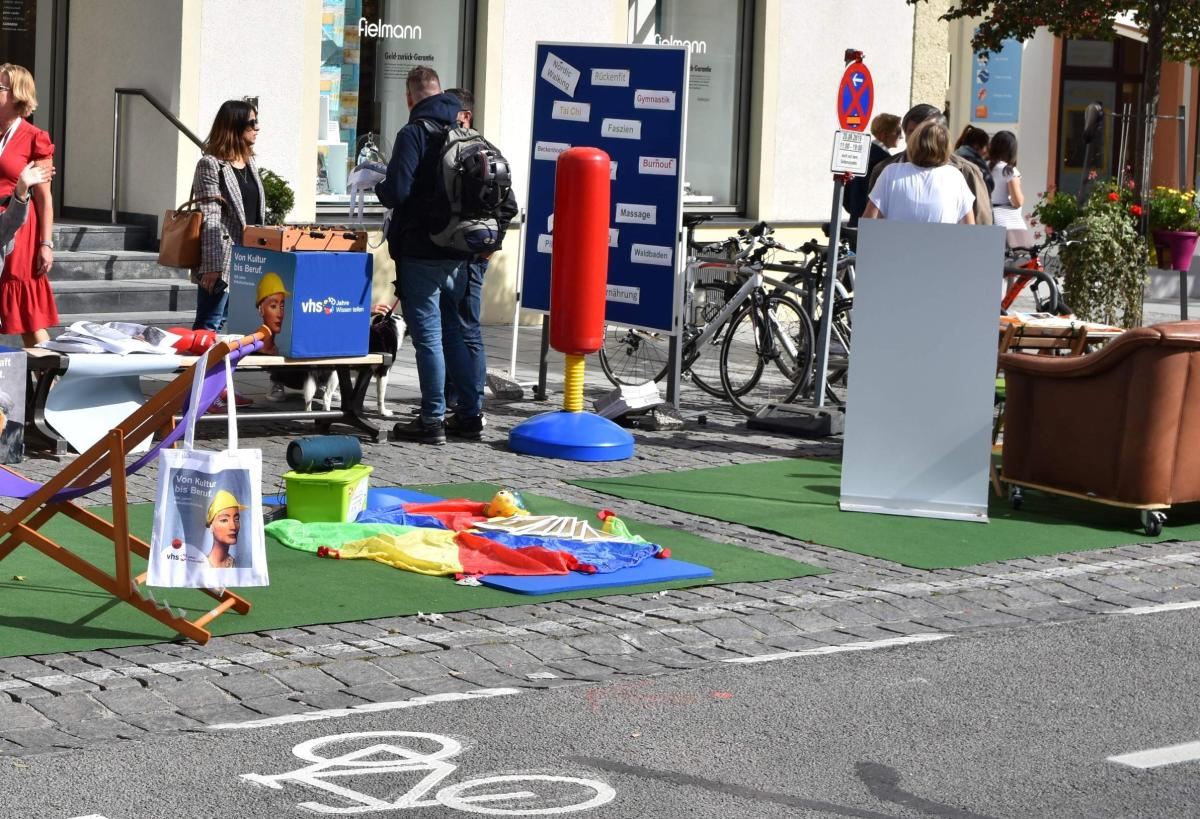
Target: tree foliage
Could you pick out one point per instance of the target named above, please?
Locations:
(1177, 21)
(1172, 30)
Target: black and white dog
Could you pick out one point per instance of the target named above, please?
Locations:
(387, 335)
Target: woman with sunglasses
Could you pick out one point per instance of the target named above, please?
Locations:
(227, 179)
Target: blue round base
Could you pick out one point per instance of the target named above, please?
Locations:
(571, 436)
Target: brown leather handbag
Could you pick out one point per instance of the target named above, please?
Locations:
(180, 243)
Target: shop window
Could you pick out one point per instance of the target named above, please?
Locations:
(718, 33)
(367, 50)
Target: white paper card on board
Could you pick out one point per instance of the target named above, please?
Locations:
(624, 294)
(621, 128)
(549, 150)
(550, 223)
(571, 111)
(612, 170)
(651, 254)
(636, 214)
(657, 165)
(561, 74)
(660, 100)
(545, 242)
(918, 434)
(618, 77)
(614, 236)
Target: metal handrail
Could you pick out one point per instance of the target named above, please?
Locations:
(162, 109)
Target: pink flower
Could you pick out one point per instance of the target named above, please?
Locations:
(1092, 174)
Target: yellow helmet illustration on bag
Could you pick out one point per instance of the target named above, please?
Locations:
(222, 500)
(268, 285)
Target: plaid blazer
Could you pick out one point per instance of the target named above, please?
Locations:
(222, 225)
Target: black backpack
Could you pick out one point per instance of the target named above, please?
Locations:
(471, 185)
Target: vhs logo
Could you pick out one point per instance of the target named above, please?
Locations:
(313, 306)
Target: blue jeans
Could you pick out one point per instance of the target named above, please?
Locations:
(467, 316)
(211, 308)
(438, 343)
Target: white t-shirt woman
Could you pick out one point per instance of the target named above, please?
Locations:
(1006, 207)
(926, 188)
(907, 192)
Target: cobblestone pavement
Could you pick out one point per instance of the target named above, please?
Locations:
(53, 702)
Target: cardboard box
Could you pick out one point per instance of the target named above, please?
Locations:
(318, 304)
(12, 405)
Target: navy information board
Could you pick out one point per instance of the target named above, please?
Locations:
(629, 101)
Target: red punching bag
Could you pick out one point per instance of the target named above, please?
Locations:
(579, 258)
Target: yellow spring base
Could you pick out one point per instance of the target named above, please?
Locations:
(573, 384)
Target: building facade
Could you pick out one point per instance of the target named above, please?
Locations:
(328, 77)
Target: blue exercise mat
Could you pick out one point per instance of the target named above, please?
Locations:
(654, 570)
(378, 497)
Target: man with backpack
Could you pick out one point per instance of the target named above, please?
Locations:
(448, 188)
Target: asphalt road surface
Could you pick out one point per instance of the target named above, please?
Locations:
(1003, 723)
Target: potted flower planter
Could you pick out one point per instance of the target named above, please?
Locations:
(1179, 244)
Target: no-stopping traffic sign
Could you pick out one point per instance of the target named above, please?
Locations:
(856, 96)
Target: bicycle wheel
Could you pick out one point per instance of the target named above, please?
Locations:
(559, 794)
(708, 299)
(839, 341)
(633, 357)
(767, 353)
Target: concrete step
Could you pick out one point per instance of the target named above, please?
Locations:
(111, 265)
(83, 235)
(113, 300)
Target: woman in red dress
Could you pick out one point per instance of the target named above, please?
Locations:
(26, 301)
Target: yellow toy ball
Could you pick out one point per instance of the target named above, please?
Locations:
(505, 504)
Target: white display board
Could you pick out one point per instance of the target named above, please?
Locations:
(922, 380)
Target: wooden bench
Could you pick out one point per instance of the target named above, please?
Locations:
(353, 374)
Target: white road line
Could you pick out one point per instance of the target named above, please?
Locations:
(366, 708)
(1189, 604)
(862, 646)
(1157, 757)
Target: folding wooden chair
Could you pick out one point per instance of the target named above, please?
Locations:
(57, 496)
(1070, 341)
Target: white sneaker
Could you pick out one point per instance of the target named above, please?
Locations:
(278, 392)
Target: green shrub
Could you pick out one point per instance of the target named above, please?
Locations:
(1105, 271)
(280, 197)
(1056, 210)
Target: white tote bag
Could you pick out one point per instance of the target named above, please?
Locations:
(208, 524)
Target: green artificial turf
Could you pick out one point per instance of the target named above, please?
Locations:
(799, 498)
(50, 609)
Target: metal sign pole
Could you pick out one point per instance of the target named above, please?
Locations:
(835, 235)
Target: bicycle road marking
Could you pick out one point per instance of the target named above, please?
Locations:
(367, 708)
(859, 646)
(380, 756)
(1158, 757)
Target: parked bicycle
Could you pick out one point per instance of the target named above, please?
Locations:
(809, 275)
(1034, 269)
(760, 339)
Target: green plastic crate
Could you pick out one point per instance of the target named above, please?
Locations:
(327, 497)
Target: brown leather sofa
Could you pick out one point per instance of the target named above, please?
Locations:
(1120, 426)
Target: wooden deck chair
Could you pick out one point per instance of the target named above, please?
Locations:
(1069, 341)
(78, 479)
